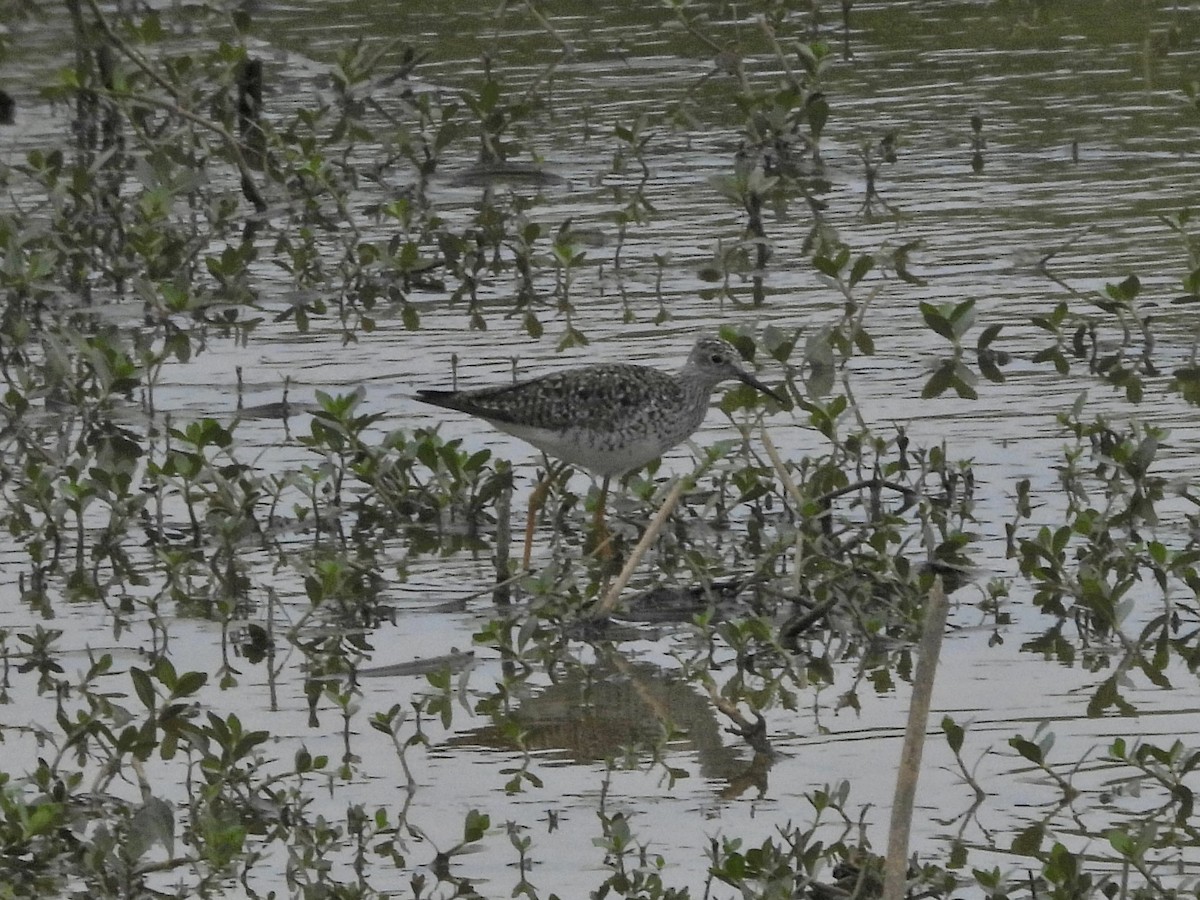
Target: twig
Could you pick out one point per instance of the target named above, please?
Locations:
(754, 733)
(604, 608)
(780, 469)
(249, 187)
(896, 865)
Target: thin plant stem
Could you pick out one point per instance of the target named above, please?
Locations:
(896, 865)
(609, 602)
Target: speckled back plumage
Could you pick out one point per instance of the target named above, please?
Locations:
(606, 418)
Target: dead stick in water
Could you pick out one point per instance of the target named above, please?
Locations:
(785, 477)
(605, 607)
(895, 867)
(501, 593)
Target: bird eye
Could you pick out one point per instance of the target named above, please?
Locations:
(718, 358)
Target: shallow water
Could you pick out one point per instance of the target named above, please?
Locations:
(1087, 138)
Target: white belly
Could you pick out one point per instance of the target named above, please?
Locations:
(588, 449)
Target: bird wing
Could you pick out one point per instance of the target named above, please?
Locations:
(596, 397)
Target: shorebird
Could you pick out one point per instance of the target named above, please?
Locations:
(609, 418)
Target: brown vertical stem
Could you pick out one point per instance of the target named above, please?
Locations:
(896, 865)
(502, 591)
(249, 111)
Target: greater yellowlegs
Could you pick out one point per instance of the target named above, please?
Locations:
(609, 418)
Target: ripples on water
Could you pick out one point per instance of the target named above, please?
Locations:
(1086, 134)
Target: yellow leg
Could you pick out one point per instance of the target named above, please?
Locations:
(601, 539)
(600, 535)
(536, 499)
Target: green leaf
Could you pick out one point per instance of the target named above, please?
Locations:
(1133, 390)
(963, 387)
(962, 317)
(1143, 456)
(862, 266)
(954, 733)
(936, 320)
(964, 382)
(988, 368)
(900, 264)
(1063, 865)
(143, 687)
(533, 327)
(826, 266)
(990, 879)
(1053, 354)
(1028, 749)
(864, 342)
(189, 683)
(937, 384)
(1125, 292)
(988, 335)
(1187, 382)
(1106, 697)
(490, 94)
(1029, 841)
(475, 827)
(1122, 843)
(41, 818)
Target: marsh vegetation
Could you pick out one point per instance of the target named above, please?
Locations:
(262, 632)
